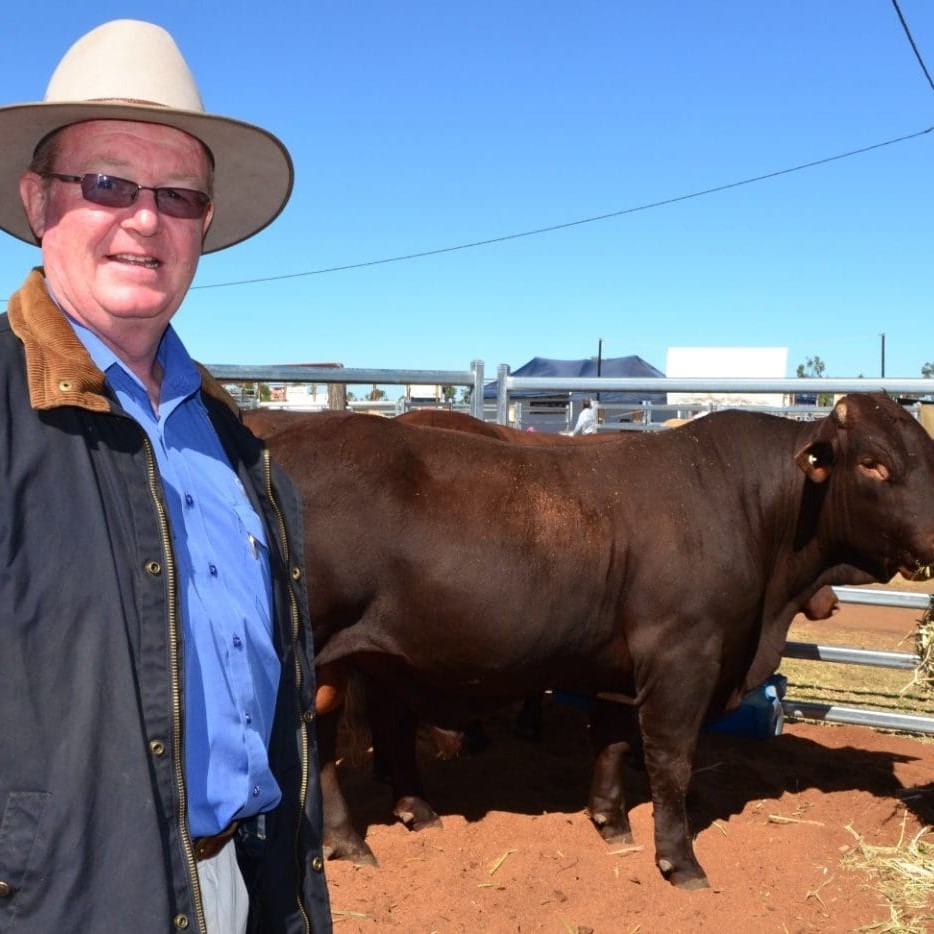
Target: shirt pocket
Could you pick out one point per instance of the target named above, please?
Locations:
(254, 533)
(20, 851)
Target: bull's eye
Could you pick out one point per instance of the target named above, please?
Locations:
(874, 469)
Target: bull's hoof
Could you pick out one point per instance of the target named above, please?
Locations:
(616, 835)
(416, 813)
(613, 829)
(689, 878)
(355, 851)
(692, 884)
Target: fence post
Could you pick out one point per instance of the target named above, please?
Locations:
(502, 395)
(476, 397)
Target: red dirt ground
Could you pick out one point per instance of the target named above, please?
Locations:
(773, 820)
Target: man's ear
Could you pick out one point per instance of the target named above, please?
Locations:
(34, 193)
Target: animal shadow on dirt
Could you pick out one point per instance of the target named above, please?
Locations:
(518, 776)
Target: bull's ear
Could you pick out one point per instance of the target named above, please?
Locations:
(816, 460)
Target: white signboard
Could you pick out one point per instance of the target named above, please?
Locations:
(726, 363)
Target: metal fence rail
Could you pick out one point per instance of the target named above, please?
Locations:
(289, 373)
(862, 716)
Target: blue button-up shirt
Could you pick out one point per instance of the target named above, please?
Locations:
(231, 666)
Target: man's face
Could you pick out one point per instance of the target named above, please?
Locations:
(116, 267)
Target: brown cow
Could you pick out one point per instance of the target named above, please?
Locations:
(455, 570)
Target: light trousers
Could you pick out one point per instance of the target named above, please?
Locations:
(223, 893)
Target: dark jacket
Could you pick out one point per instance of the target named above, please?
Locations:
(93, 832)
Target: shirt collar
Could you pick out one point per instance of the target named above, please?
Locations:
(180, 376)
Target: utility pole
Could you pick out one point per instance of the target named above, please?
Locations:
(600, 361)
(882, 335)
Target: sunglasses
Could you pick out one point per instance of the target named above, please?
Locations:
(111, 192)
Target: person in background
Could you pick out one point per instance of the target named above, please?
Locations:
(587, 420)
(158, 765)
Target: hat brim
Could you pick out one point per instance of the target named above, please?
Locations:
(253, 173)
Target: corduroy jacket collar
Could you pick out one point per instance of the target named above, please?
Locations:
(59, 371)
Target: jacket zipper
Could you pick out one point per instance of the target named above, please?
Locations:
(296, 624)
(177, 737)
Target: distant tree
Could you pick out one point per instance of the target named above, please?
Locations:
(466, 395)
(265, 393)
(927, 371)
(375, 394)
(448, 393)
(813, 368)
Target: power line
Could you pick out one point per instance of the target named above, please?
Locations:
(576, 223)
(912, 42)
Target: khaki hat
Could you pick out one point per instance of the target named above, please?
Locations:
(130, 70)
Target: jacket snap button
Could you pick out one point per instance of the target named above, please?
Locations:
(317, 864)
(65, 385)
(296, 574)
(157, 747)
(5, 889)
(180, 921)
(154, 568)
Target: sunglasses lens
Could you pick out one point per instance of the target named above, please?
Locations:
(111, 192)
(182, 202)
(108, 191)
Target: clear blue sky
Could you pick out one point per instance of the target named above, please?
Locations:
(419, 126)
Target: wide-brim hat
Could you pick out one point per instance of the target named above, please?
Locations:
(130, 70)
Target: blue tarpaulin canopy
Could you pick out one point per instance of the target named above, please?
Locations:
(620, 367)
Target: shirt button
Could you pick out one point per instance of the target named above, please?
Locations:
(189, 499)
(248, 717)
(213, 569)
(237, 641)
(256, 791)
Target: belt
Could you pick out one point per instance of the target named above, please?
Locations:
(206, 847)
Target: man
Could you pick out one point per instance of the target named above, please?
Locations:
(587, 420)
(158, 767)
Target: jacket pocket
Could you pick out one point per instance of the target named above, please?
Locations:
(19, 850)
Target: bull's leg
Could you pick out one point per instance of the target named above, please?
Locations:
(394, 729)
(612, 729)
(341, 839)
(670, 722)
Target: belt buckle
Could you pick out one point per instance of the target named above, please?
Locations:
(207, 847)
